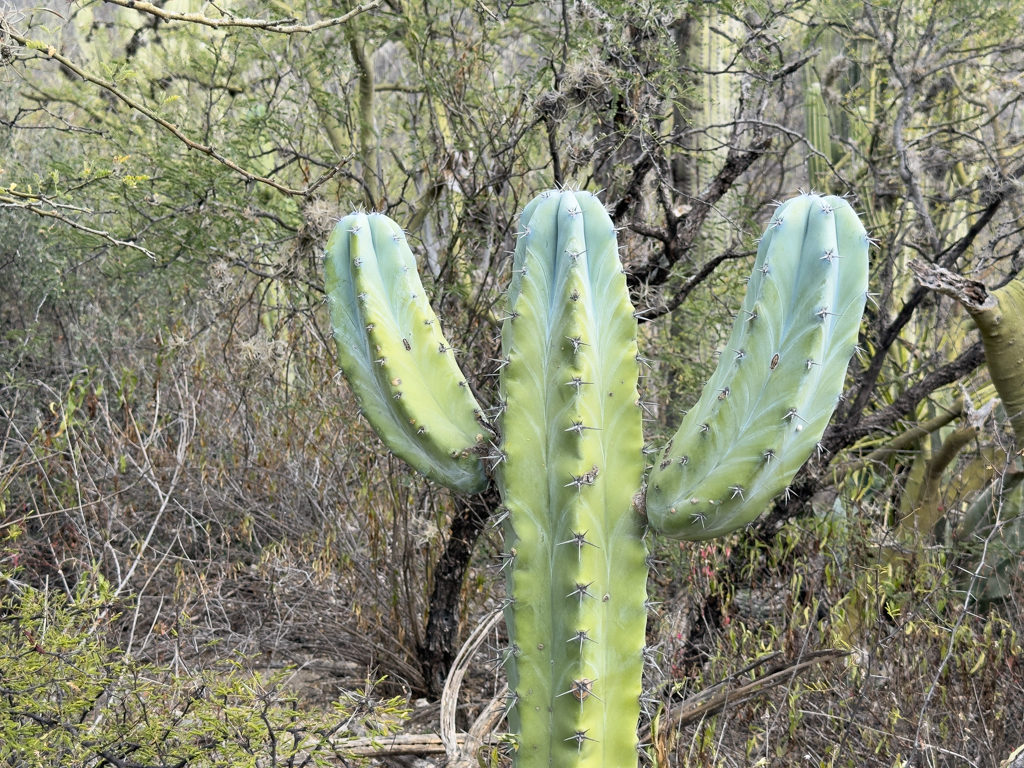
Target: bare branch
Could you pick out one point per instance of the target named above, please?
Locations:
(169, 127)
(904, 440)
(642, 167)
(647, 231)
(867, 380)
(9, 202)
(842, 435)
(282, 26)
(718, 697)
(646, 315)
(658, 269)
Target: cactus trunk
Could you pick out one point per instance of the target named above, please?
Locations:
(1002, 331)
(573, 451)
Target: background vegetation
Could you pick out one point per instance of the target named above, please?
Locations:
(206, 553)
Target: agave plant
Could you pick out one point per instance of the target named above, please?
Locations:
(566, 449)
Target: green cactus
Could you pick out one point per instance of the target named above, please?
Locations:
(1001, 323)
(1001, 502)
(570, 461)
(779, 378)
(818, 131)
(397, 361)
(572, 438)
(999, 315)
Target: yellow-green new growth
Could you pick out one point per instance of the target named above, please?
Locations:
(396, 359)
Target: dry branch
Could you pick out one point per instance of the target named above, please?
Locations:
(715, 699)
(703, 704)
(50, 52)
(283, 26)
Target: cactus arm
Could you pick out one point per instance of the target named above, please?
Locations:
(395, 357)
(1002, 332)
(778, 380)
(573, 445)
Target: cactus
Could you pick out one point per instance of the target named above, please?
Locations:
(574, 458)
(999, 315)
(817, 130)
(1002, 504)
(778, 380)
(397, 361)
(570, 461)
(1001, 323)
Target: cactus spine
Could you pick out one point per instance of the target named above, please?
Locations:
(570, 462)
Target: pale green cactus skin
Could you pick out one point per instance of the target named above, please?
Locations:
(778, 380)
(396, 359)
(570, 461)
(573, 447)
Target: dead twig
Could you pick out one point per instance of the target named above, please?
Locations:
(450, 695)
(714, 699)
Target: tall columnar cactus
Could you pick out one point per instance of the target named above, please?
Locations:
(817, 130)
(572, 438)
(570, 460)
(1000, 320)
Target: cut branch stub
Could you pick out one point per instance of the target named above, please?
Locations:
(1002, 332)
(396, 360)
(999, 315)
(572, 437)
(778, 381)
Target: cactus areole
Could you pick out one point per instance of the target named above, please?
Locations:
(567, 451)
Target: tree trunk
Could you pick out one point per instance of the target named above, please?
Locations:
(441, 639)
